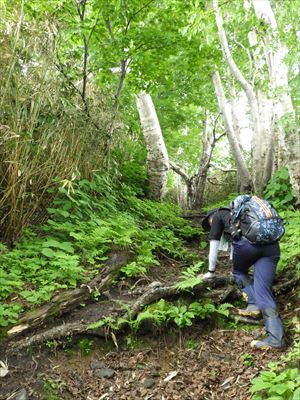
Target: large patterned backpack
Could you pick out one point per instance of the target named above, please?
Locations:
(256, 220)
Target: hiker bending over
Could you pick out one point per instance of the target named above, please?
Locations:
(254, 229)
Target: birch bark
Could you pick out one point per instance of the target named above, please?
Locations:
(183, 178)
(208, 143)
(282, 104)
(157, 155)
(260, 139)
(182, 198)
(201, 177)
(235, 104)
(246, 182)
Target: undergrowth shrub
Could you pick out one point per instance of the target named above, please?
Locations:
(86, 221)
(181, 314)
(279, 193)
(279, 190)
(281, 380)
(290, 242)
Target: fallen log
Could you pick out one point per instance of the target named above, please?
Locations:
(68, 300)
(155, 291)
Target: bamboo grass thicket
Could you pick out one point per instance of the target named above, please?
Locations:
(45, 136)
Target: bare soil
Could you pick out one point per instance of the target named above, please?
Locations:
(206, 361)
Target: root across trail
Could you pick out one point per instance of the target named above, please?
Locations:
(75, 362)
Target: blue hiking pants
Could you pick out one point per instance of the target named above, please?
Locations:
(265, 259)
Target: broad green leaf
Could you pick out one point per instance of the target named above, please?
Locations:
(296, 394)
(260, 385)
(281, 388)
(48, 252)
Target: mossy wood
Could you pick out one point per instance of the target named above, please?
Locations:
(68, 300)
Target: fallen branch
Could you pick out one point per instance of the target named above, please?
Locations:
(70, 299)
(246, 320)
(286, 286)
(155, 291)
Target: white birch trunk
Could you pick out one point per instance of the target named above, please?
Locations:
(259, 149)
(283, 108)
(181, 192)
(235, 109)
(200, 179)
(246, 182)
(266, 119)
(157, 155)
(189, 187)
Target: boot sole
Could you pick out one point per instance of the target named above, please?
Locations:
(251, 314)
(265, 346)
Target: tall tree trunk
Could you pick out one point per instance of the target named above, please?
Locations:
(260, 141)
(208, 145)
(188, 183)
(157, 156)
(182, 199)
(246, 182)
(196, 184)
(235, 109)
(266, 120)
(200, 179)
(283, 107)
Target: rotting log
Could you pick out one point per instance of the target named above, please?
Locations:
(68, 300)
(155, 291)
(224, 290)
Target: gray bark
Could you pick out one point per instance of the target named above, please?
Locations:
(289, 138)
(260, 144)
(182, 175)
(208, 144)
(246, 182)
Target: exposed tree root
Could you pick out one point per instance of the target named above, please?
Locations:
(224, 289)
(68, 300)
(154, 292)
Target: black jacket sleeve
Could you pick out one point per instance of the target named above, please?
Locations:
(217, 227)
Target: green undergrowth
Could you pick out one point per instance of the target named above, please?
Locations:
(281, 379)
(163, 312)
(87, 221)
(279, 193)
(290, 243)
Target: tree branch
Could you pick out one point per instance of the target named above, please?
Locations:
(109, 28)
(75, 88)
(139, 10)
(222, 169)
(220, 289)
(215, 128)
(180, 172)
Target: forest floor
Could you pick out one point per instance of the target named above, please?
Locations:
(204, 361)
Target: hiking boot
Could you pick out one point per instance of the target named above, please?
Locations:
(274, 328)
(250, 311)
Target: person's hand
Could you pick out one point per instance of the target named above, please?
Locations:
(208, 275)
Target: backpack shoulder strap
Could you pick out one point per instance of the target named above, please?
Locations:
(224, 208)
(238, 205)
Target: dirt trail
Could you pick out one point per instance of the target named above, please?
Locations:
(200, 362)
